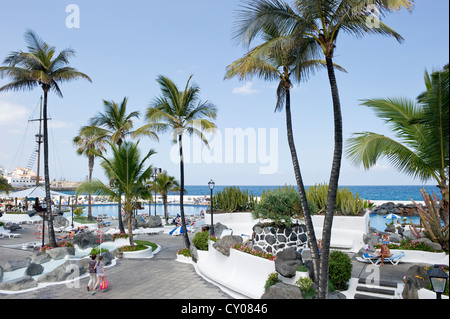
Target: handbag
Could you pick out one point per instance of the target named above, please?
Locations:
(104, 284)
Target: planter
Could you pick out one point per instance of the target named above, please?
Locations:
(293, 280)
(241, 273)
(146, 253)
(184, 259)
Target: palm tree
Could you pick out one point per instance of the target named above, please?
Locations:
(114, 124)
(278, 58)
(127, 168)
(163, 184)
(422, 131)
(4, 185)
(90, 146)
(322, 21)
(40, 66)
(180, 112)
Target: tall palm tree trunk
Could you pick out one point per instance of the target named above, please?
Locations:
(119, 217)
(91, 168)
(333, 184)
(301, 188)
(166, 215)
(48, 200)
(187, 243)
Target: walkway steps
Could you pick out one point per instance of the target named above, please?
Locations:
(380, 290)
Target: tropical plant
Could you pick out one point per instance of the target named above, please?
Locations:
(114, 124)
(128, 169)
(89, 145)
(179, 111)
(233, 199)
(42, 67)
(347, 203)
(322, 21)
(4, 185)
(282, 57)
(279, 206)
(163, 184)
(431, 220)
(422, 130)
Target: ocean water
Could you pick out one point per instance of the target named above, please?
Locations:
(382, 192)
(394, 193)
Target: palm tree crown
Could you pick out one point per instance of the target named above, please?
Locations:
(180, 111)
(40, 67)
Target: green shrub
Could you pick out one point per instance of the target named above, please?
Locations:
(78, 212)
(97, 251)
(302, 268)
(200, 240)
(279, 206)
(340, 269)
(304, 283)
(271, 280)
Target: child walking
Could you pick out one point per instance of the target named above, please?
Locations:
(92, 272)
(100, 268)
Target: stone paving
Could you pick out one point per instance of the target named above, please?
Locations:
(158, 278)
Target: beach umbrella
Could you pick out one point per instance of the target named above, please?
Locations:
(392, 216)
(176, 231)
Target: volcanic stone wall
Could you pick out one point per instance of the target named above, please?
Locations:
(272, 239)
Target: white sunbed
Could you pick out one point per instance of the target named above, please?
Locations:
(376, 260)
(7, 233)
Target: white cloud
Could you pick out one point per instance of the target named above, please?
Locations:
(245, 89)
(57, 124)
(12, 114)
(378, 167)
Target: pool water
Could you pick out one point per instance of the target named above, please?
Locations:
(379, 221)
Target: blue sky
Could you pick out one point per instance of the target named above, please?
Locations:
(124, 46)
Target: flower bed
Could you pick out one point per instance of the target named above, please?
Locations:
(242, 273)
(184, 256)
(137, 251)
(58, 244)
(248, 250)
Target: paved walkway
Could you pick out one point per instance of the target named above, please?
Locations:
(158, 278)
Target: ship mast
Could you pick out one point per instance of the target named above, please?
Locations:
(39, 141)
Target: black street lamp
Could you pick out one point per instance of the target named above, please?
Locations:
(73, 198)
(438, 279)
(211, 187)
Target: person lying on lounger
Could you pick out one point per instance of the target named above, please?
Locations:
(384, 252)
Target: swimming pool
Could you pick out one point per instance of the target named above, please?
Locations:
(380, 223)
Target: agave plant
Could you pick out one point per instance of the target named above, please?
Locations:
(431, 220)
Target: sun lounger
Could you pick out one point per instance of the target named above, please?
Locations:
(376, 260)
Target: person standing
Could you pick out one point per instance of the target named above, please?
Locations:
(100, 269)
(92, 271)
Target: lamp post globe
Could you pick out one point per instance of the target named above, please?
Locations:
(438, 279)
